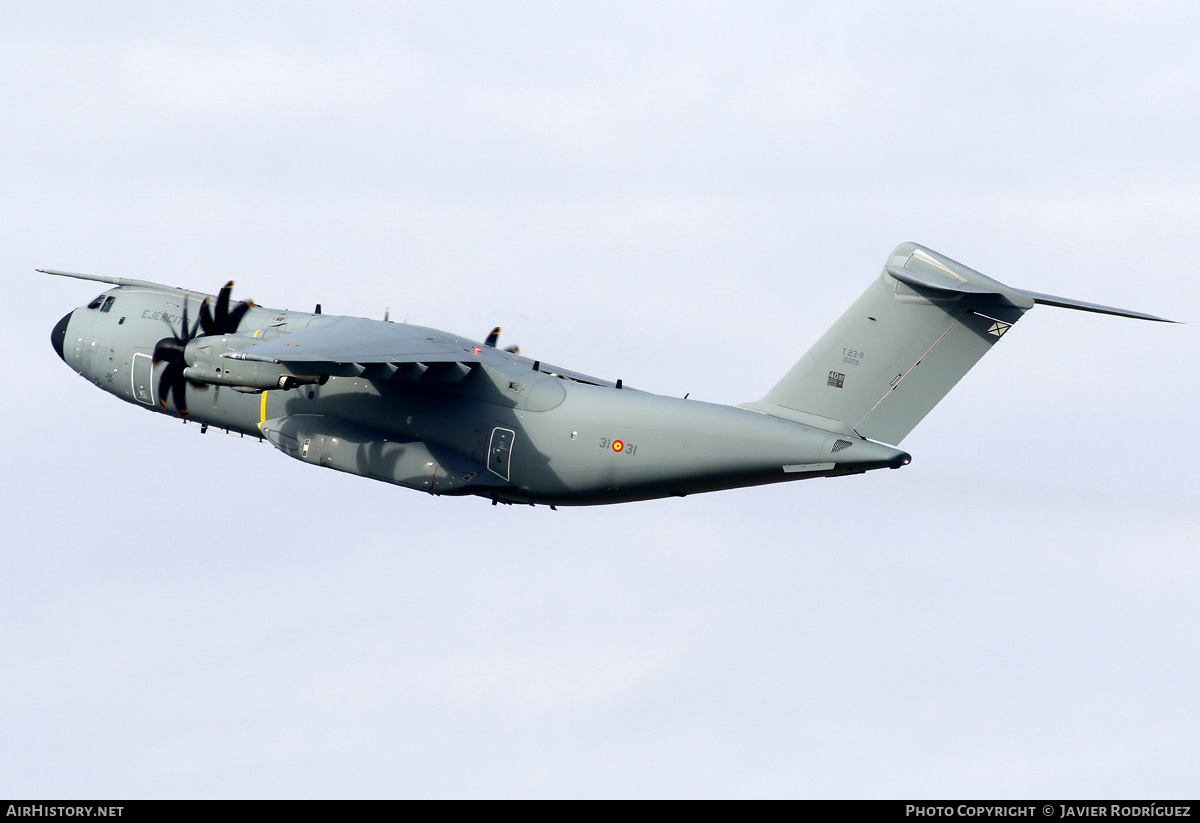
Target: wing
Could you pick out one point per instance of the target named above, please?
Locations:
(344, 340)
(350, 346)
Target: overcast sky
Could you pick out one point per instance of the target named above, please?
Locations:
(682, 195)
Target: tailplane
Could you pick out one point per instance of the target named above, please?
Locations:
(892, 357)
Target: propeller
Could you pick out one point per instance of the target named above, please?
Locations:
(170, 350)
(224, 321)
(495, 336)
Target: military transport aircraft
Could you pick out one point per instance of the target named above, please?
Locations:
(443, 414)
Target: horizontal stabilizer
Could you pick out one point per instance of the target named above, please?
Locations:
(951, 284)
(1068, 303)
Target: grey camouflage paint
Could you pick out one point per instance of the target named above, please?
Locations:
(439, 413)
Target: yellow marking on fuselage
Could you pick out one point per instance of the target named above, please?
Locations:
(262, 415)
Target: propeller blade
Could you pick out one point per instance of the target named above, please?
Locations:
(235, 316)
(222, 315)
(183, 333)
(206, 319)
(178, 387)
(514, 349)
(492, 338)
(168, 349)
(164, 385)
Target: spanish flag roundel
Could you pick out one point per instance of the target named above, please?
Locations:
(618, 445)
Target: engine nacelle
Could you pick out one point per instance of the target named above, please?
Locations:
(206, 365)
(251, 377)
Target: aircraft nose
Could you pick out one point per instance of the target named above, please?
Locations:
(59, 335)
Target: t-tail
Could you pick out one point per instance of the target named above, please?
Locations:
(922, 325)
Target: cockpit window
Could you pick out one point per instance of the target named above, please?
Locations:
(95, 304)
(108, 301)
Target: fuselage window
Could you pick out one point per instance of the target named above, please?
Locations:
(108, 301)
(95, 304)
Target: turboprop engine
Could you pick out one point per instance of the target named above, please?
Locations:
(204, 364)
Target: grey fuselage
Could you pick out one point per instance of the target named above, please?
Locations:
(500, 426)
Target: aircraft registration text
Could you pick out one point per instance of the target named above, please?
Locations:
(853, 356)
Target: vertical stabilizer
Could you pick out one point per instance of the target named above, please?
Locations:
(920, 326)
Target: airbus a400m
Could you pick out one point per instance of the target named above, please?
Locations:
(447, 415)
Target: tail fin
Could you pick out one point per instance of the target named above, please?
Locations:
(903, 345)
